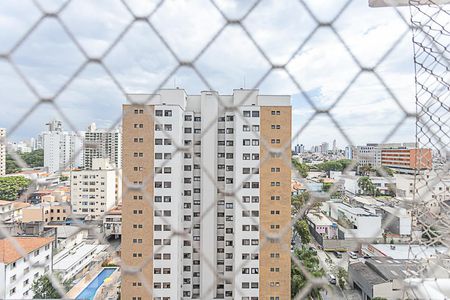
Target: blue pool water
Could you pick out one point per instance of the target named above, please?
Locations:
(89, 292)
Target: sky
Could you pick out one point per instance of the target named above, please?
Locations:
(146, 57)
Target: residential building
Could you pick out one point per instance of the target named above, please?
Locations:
(6, 210)
(73, 263)
(322, 225)
(17, 272)
(68, 236)
(112, 222)
(46, 212)
(430, 188)
(62, 149)
(102, 143)
(2, 151)
(93, 192)
(220, 166)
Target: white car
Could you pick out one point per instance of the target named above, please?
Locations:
(353, 255)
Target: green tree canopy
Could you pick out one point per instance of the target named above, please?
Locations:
(11, 187)
(43, 288)
(302, 228)
(302, 169)
(367, 186)
(308, 258)
(334, 165)
(33, 159)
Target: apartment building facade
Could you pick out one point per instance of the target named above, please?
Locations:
(17, 273)
(63, 150)
(93, 192)
(2, 152)
(102, 143)
(228, 191)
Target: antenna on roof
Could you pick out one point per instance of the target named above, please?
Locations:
(244, 81)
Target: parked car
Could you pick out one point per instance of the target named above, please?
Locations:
(338, 254)
(331, 279)
(353, 255)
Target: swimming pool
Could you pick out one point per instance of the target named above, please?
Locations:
(89, 292)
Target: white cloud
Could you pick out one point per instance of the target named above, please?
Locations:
(140, 61)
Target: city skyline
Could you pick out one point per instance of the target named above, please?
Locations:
(95, 97)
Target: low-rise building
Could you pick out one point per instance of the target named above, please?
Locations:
(322, 225)
(46, 212)
(68, 236)
(93, 191)
(112, 222)
(430, 188)
(74, 262)
(354, 222)
(396, 220)
(381, 277)
(17, 273)
(6, 210)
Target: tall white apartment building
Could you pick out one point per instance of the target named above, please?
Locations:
(102, 143)
(2, 152)
(17, 273)
(62, 149)
(227, 191)
(93, 192)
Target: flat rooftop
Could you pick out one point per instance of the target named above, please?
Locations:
(67, 258)
(410, 251)
(355, 210)
(319, 219)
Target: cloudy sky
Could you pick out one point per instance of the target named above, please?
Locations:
(146, 57)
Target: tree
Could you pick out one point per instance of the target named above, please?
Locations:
(310, 261)
(366, 185)
(43, 288)
(11, 165)
(302, 169)
(342, 277)
(63, 178)
(298, 201)
(302, 228)
(365, 170)
(11, 187)
(33, 159)
(334, 165)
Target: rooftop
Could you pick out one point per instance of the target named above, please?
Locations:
(115, 211)
(5, 202)
(319, 219)
(391, 269)
(67, 258)
(366, 274)
(410, 251)
(355, 210)
(9, 253)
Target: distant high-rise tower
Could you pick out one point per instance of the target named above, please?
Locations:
(219, 192)
(62, 149)
(102, 143)
(324, 147)
(2, 152)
